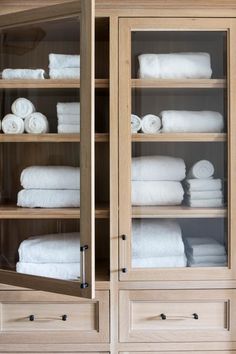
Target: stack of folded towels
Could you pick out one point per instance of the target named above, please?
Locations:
(156, 180)
(68, 116)
(157, 244)
(54, 256)
(64, 66)
(49, 187)
(205, 252)
(202, 190)
(148, 124)
(18, 74)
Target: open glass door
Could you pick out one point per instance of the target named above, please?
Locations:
(47, 149)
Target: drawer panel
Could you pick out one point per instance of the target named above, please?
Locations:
(176, 315)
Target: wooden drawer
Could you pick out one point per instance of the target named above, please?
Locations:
(84, 321)
(191, 315)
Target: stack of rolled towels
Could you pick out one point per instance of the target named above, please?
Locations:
(148, 124)
(201, 189)
(64, 66)
(49, 187)
(205, 252)
(54, 256)
(156, 180)
(68, 116)
(157, 244)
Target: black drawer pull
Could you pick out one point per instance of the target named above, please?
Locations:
(163, 316)
(195, 316)
(64, 317)
(31, 318)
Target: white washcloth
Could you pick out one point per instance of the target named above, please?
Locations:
(203, 246)
(157, 193)
(68, 128)
(64, 271)
(48, 198)
(58, 248)
(50, 177)
(192, 121)
(66, 73)
(22, 107)
(59, 61)
(36, 123)
(203, 184)
(175, 66)
(12, 124)
(205, 195)
(207, 259)
(23, 74)
(68, 108)
(156, 238)
(202, 169)
(160, 262)
(71, 119)
(154, 168)
(151, 124)
(205, 203)
(135, 123)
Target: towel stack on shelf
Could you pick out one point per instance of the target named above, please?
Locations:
(205, 252)
(49, 187)
(64, 66)
(26, 74)
(54, 256)
(68, 116)
(148, 124)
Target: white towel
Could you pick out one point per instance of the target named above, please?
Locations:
(48, 198)
(157, 193)
(64, 271)
(66, 73)
(160, 262)
(151, 124)
(50, 177)
(12, 124)
(156, 238)
(203, 246)
(23, 74)
(58, 248)
(192, 121)
(205, 195)
(68, 128)
(58, 61)
(36, 123)
(203, 184)
(135, 123)
(68, 108)
(207, 264)
(175, 66)
(71, 119)
(202, 169)
(204, 203)
(22, 107)
(207, 259)
(154, 168)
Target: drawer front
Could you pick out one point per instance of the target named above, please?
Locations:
(177, 316)
(35, 316)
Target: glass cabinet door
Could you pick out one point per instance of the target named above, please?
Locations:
(47, 149)
(177, 149)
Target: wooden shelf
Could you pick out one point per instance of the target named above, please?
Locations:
(186, 83)
(48, 84)
(179, 137)
(52, 137)
(177, 212)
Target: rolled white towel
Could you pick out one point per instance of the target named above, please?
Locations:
(203, 184)
(63, 271)
(66, 73)
(135, 123)
(71, 119)
(175, 66)
(192, 121)
(36, 123)
(157, 193)
(12, 124)
(202, 169)
(151, 124)
(48, 198)
(205, 195)
(68, 108)
(158, 168)
(68, 128)
(58, 61)
(160, 262)
(23, 74)
(203, 246)
(22, 107)
(50, 177)
(205, 203)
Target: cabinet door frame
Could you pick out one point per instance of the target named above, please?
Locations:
(126, 26)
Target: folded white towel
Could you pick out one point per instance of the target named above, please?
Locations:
(203, 184)
(207, 264)
(66, 73)
(204, 246)
(192, 121)
(68, 128)
(160, 262)
(175, 66)
(207, 259)
(12, 124)
(68, 108)
(53, 248)
(50, 177)
(135, 123)
(22, 107)
(202, 169)
(156, 238)
(23, 74)
(151, 124)
(205, 195)
(154, 168)
(157, 193)
(204, 203)
(71, 119)
(48, 198)
(58, 61)
(36, 123)
(64, 271)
